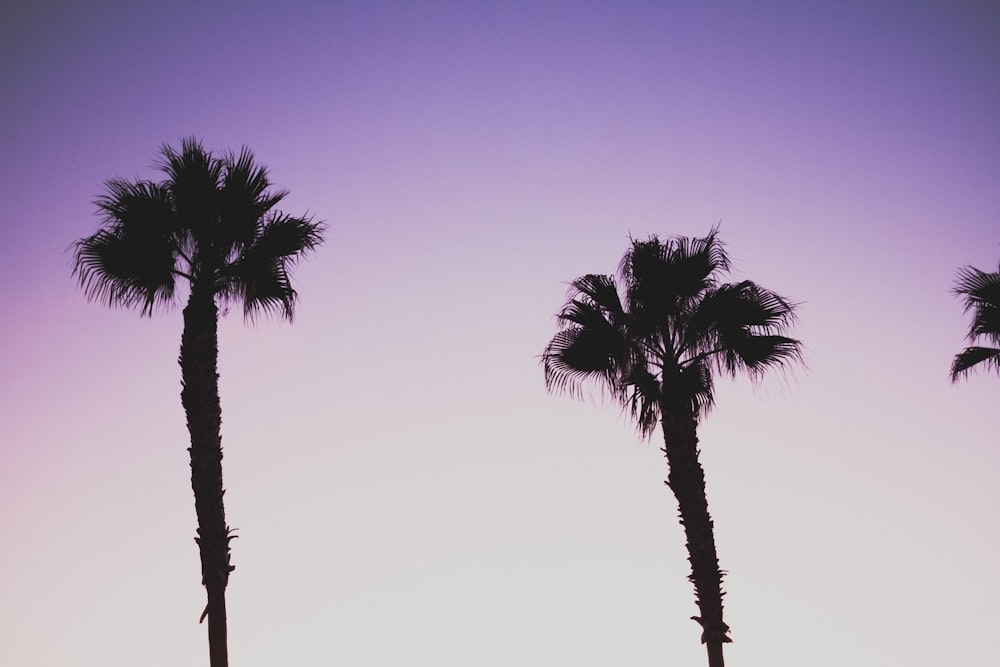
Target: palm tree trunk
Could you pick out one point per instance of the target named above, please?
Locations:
(200, 398)
(687, 481)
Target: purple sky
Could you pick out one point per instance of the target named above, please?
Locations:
(405, 490)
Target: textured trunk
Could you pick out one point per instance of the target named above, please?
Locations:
(687, 481)
(200, 397)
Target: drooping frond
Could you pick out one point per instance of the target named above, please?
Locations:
(698, 383)
(132, 260)
(643, 393)
(971, 357)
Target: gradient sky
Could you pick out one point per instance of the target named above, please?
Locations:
(406, 493)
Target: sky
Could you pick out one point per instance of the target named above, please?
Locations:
(404, 489)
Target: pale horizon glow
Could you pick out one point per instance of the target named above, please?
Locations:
(406, 493)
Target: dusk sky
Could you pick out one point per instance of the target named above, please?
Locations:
(405, 491)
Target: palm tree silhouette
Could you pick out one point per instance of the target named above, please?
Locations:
(981, 293)
(212, 225)
(653, 340)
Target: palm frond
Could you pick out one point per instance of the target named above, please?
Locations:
(708, 251)
(665, 279)
(579, 354)
(980, 292)
(132, 260)
(288, 237)
(698, 384)
(244, 201)
(977, 287)
(740, 327)
(643, 393)
(264, 289)
(985, 324)
(981, 295)
(756, 354)
(680, 267)
(125, 270)
(598, 290)
(245, 174)
(260, 275)
(582, 313)
(193, 177)
(593, 346)
(972, 357)
(130, 204)
(749, 306)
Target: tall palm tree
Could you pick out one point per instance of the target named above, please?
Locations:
(211, 226)
(981, 293)
(654, 340)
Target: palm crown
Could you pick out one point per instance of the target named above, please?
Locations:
(981, 292)
(212, 222)
(658, 334)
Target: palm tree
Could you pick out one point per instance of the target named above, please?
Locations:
(654, 340)
(981, 293)
(212, 226)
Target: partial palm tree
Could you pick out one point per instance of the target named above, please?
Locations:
(981, 292)
(654, 340)
(211, 227)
